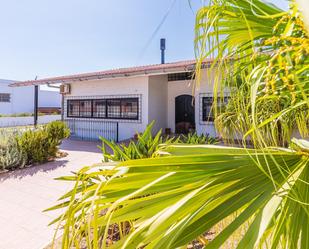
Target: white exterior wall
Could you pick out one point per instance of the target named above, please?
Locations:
(22, 98)
(6, 108)
(22, 121)
(49, 98)
(205, 88)
(176, 88)
(120, 87)
(157, 101)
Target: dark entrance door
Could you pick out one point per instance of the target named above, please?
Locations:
(184, 114)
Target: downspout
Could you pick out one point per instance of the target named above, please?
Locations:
(62, 100)
(62, 107)
(36, 103)
(52, 86)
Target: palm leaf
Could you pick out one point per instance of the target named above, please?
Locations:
(173, 200)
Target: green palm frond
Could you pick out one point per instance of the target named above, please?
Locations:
(263, 54)
(171, 201)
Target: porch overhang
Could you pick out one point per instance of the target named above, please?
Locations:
(183, 66)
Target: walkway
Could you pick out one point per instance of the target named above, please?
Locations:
(25, 193)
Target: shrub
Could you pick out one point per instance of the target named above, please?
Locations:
(22, 114)
(36, 145)
(146, 146)
(42, 144)
(10, 155)
(57, 131)
(194, 138)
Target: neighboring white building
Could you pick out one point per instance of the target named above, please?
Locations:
(21, 99)
(128, 99)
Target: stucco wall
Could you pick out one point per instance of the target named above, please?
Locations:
(157, 104)
(49, 98)
(22, 98)
(22, 121)
(120, 87)
(205, 88)
(176, 88)
(157, 100)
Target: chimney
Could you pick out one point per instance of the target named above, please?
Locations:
(162, 47)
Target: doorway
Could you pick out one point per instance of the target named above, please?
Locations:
(184, 114)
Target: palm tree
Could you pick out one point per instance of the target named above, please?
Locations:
(250, 198)
(265, 60)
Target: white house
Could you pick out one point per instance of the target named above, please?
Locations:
(118, 103)
(21, 99)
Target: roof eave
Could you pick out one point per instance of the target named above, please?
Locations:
(126, 72)
(99, 76)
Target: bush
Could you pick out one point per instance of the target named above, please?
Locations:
(10, 156)
(20, 148)
(36, 145)
(42, 144)
(194, 138)
(146, 146)
(22, 114)
(57, 131)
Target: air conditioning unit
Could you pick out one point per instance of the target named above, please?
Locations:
(65, 89)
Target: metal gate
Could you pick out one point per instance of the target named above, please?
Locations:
(93, 129)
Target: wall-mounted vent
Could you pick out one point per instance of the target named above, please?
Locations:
(65, 89)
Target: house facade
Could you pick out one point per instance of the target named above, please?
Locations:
(20, 100)
(118, 103)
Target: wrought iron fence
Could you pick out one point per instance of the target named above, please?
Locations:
(93, 129)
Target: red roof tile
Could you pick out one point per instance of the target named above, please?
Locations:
(140, 70)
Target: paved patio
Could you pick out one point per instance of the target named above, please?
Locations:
(25, 193)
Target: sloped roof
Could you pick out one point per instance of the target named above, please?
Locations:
(7, 82)
(180, 66)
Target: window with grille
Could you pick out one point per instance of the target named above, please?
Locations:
(129, 109)
(181, 76)
(99, 108)
(116, 108)
(5, 97)
(85, 107)
(73, 108)
(207, 106)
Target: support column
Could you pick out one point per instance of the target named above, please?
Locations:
(62, 107)
(36, 103)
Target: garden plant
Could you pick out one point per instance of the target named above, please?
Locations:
(146, 146)
(194, 138)
(31, 146)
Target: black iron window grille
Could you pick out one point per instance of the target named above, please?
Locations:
(181, 76)
(207, 107)
(73, 108)
(129, 109)
(85, 108)
(116, 108)
(5, 97)
(99, 108)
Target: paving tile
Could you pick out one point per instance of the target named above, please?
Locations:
(27, 192)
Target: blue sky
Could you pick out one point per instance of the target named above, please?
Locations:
(59, 37)
(49, 38)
